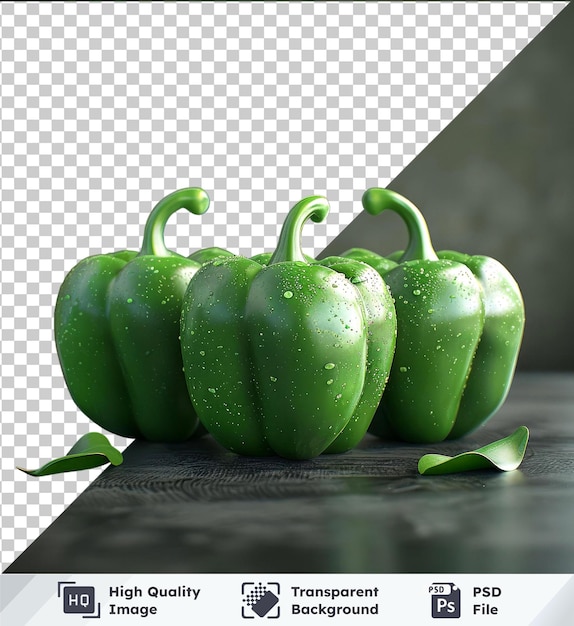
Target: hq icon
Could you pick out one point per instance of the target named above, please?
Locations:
(78, 599)
(445, 600)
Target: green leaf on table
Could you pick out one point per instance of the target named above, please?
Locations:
(91, 450)
(505, 455)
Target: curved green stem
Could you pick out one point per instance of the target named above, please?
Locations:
(194, 199)
(289, 244)
(377, 200)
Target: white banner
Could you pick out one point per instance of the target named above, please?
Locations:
(290, 599)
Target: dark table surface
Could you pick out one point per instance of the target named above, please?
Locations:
(194, 507)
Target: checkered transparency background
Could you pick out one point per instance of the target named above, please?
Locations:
(107, 107)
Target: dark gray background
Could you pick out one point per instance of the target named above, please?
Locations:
(499, 181)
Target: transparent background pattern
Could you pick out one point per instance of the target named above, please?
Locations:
(107, 107)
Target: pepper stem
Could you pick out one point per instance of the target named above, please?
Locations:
(289, 245)
(194, 199)
(377, 200)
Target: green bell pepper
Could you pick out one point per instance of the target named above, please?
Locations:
(460, 326)
(117, 333)
(294, 355)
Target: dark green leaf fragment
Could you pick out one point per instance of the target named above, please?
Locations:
(91, 450)
(505, 455)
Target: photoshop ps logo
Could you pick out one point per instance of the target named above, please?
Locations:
(261, 600)
(79, 600)
(445, 600)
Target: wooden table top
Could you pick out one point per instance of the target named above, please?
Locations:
(195, 507)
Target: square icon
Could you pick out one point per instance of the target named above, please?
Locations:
(445, 600)
(79, 599)
(261, 600)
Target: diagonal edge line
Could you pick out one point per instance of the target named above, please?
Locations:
(559, 609)
(11, 586)
(358, 213)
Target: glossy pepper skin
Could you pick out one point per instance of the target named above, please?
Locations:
(294, 355)
(460, 326)
(117, 333)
